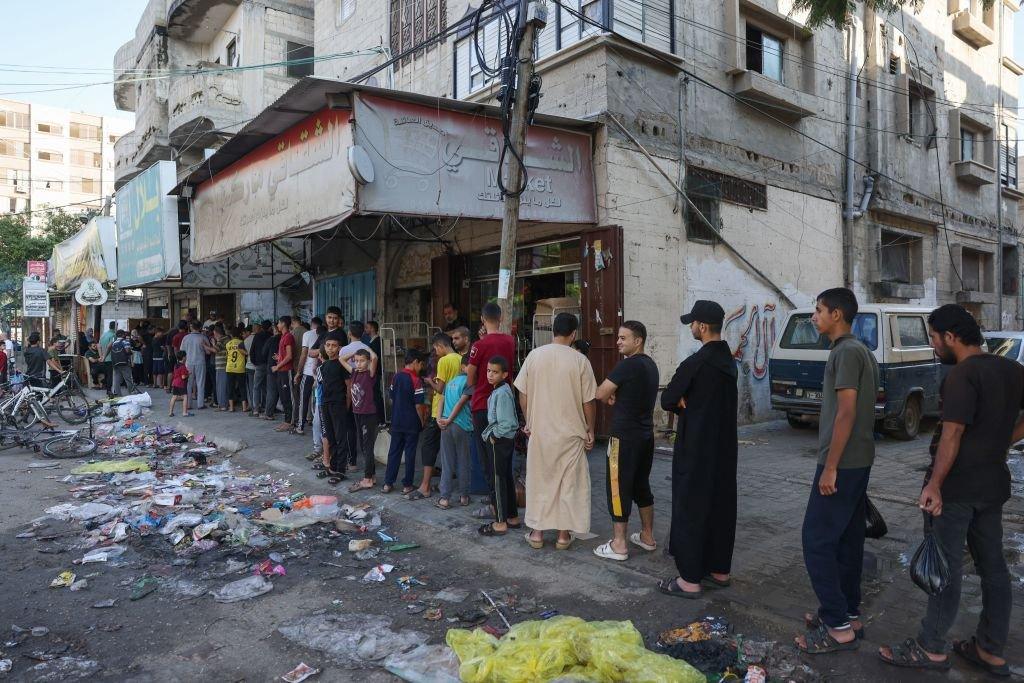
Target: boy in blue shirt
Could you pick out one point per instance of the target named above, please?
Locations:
(406, 421)
(498, 438)
(456, 423)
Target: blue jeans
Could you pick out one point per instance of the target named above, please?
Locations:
(402, 442)
(833, 540)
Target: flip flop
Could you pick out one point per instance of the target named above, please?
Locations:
(671, 587)
(536, 545)
(406, 490)
(968, 649)
(605, 551)
(634, 538)
(416, 495)
(818, 641)
(717, 583)
(910, 655)
(337, 479)
(489, 530)
(443, 503)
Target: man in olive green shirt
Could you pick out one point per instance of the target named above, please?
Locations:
(834, 523)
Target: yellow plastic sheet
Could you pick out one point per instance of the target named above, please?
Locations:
(600, 651)
(112, 466)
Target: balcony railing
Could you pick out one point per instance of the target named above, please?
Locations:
(204, 102)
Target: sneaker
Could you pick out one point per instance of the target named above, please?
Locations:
(299, 431)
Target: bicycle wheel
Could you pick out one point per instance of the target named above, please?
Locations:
(73, 408)
(23, 418)
(76, 446)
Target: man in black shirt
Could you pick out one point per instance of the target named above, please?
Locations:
(258, 356)
(632, 390)
(36, 362)
(703, 394)
(452, 319)
(334, 382)
(964, 491)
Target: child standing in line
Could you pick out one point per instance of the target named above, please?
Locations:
(333, 379)
(456, 424)
(406, 421)
(179, 386)
(364, 412)
(498, 437)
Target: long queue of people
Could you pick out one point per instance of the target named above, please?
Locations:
(466, 397)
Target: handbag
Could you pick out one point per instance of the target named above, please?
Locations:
(876, 526)
(929, 569)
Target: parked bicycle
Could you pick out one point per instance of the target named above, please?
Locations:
(54, 443)
(30, 403)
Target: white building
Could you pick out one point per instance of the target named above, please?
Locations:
(52, 157)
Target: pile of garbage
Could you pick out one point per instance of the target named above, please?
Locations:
(564, 647)
(159, 495)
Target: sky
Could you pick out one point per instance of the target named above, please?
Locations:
(76, 35)
(72, 35)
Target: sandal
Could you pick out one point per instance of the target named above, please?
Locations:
(443, 503)
(812, 620)
(968, 649)
(672, 587)
(406, 490)
(327, 473)
(489, 530)
(634, 538)
(515, 526)
(336, 479)
(359, 486)
(564, 545)
(464, 501)
(605, 551)
(483, 513)
(417, 495)
(387, 488)
(910, 655)
(536, 545)
(718, 583)
(818, 641)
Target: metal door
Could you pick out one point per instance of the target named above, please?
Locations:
(601, 301)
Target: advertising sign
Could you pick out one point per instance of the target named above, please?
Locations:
(147, 227)
(437, 162)
(35, 300)
(88, 253)
(38, 269)
(91, 293)
(296, 183)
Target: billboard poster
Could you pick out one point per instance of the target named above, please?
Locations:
(37, 269)
(147, 227)
(35, 300)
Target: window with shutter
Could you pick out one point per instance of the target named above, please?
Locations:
(1008, 156)
(414, 21)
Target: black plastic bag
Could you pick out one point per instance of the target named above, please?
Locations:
(928, 568)
(876, 527)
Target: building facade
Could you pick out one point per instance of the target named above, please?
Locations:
(797, 176)
(52, 157)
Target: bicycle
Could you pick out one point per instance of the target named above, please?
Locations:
(56, 443)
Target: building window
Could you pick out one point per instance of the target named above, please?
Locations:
(14, 148)
(703, 223)
(346, 8)
(51, 128)
(232, 53)
(298, 51)
(111, 139)
(415, 21)
(921, 113)
(900, 258)
(975, 270)
(729, 188)
(85, 131)
(764, 53)
(13, 119)
(17, 178)
(1011, 270)
(80, 157)
(1008, 155)
(87, 185)
(966, 144)
(55, 157)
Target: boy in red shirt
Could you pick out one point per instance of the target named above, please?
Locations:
(179, 386)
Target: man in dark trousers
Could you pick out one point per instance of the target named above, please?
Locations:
(964, 492)
(703, 394)
(834, 523)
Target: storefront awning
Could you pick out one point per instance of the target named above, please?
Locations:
(91, 252)
(327, 150)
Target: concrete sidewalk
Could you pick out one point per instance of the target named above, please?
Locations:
(770, 591)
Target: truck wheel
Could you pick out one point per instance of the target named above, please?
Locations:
(796, 422)
(909, 423)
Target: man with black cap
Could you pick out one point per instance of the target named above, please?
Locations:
(703, 394)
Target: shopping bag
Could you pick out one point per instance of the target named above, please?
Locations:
(929, 568)
(876, 527)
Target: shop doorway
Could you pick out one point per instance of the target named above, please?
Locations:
(219, 303)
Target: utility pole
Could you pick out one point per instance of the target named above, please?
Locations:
(999, 177)
(527, 28)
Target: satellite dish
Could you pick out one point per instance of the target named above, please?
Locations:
(360, 165)
(372, 81)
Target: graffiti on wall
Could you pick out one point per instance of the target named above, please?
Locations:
(756, 326)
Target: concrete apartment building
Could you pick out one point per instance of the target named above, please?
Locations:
(765, 136)
(179, 113)
(53, 157)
